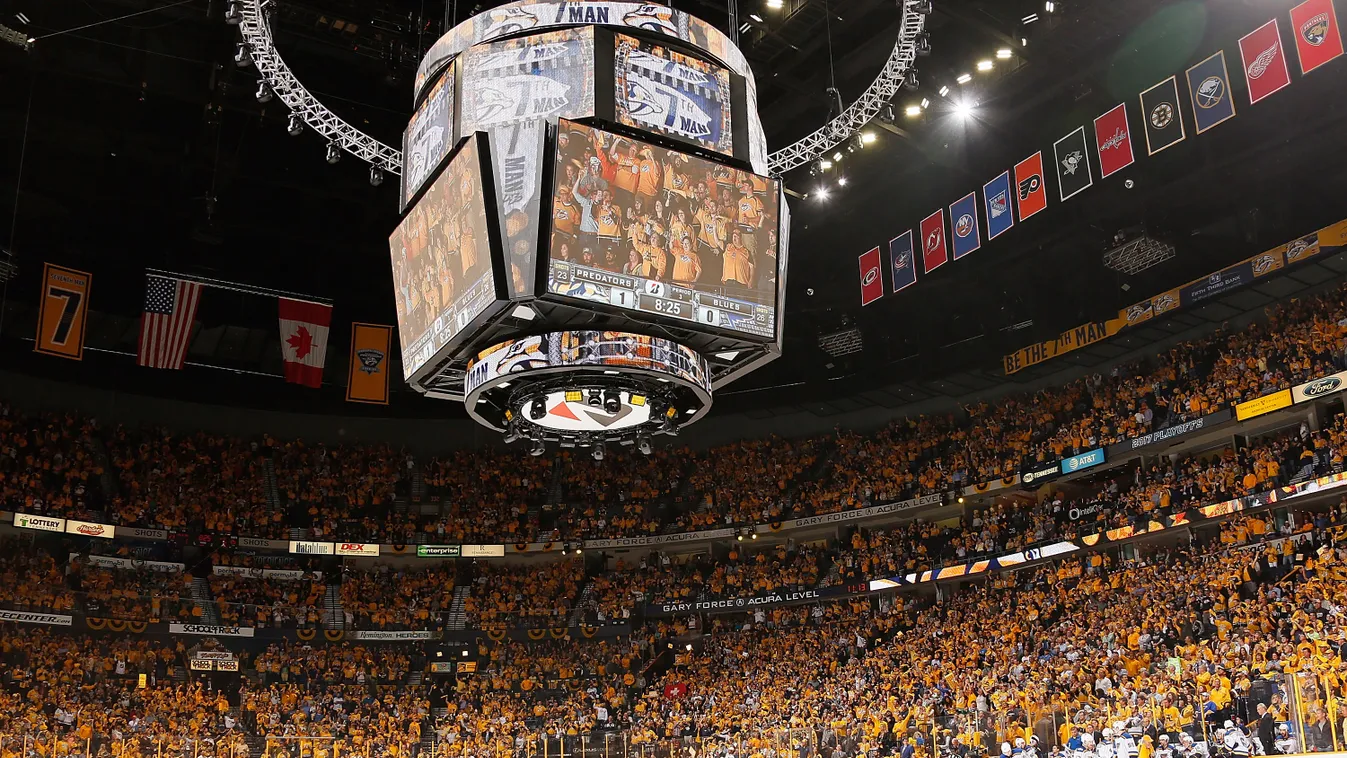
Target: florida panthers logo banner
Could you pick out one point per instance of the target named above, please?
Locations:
(1314, 24)
(672, 93)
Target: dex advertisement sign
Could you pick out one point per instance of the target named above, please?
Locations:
(362, 549)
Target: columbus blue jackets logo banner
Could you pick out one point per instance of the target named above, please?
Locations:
(963, 223)
(903, 261)
(1163, 116)
(1000, 215)
(1209, 90)
(1073, 165)
(672, 93)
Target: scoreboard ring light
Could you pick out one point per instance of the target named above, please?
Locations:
(575, 376)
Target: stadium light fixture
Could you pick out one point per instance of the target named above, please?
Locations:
(465, 654)
(867, 137)
(295, 127)
(964, 78)
(1024, 41)
(925, 103)
(333, 153)
(821, 193)
(1049, 6)
(841, 181)
(921, 6)
(1029, 19)
(234, 15)
(944, 90)
(376, 175)
(243, 57)
(985, 65)
(755, 17)
(539, 447)
(825, 164)
(598, 452)
(689, 648)
(263, 93)
(837, 156)
(775, 4)
(1003, 53)
(963, 110)
(913, 110)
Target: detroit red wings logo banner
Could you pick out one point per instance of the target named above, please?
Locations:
(1264, 61)
(1113, 140)
(1314, 24)
(934, 254)
(872, 281)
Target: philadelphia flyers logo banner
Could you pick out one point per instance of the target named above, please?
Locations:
(63, 309)
(1030, 195)
(872, 281)
(1264, 61)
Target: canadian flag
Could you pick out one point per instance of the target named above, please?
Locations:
(304, 340)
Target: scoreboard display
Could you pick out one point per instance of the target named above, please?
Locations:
(666, 234)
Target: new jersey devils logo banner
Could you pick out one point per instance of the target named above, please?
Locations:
(934, 254)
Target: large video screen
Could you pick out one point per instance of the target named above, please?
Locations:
(442, 270)
(429, 136)
(511, 90)
(671, 93)
(653, 230)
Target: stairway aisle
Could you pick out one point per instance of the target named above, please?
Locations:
(334, 613)
(205, 601)
(457, 618)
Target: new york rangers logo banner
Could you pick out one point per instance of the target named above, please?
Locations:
(963, 223)
(903, 261)
(872, 281)
(1029, 189)
(1264, 61)
(1000, 217)
(1209, 90)
(933, 251)
(1314, 24)
(1113, 140)
(1073, 165)
(1163, 115)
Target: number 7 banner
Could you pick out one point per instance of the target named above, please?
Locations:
(62, 310)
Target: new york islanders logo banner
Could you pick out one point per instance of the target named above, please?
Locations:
(904, 263)
(963, 223)
(1264, 61)
(934, 254)
(1000, 215)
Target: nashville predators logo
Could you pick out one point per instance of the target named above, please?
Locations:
(1165, 302)
(370, 360)
(509, 21)
(1263, 264)
(1138, 312)
(652, 18)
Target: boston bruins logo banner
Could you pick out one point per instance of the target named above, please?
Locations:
(1163, 114)
(64, 307)
(367, 374)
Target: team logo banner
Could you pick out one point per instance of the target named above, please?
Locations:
(367, 373)
(1113, 140)
(933, 251)
(963, 222)
(1029, 190)
(903, 262)
(1302, 249)
(63, 309)
(1314, 24)
(1163, 115)
(1209, 90)
(872, 281)
(1073, 167)
(1000, 217)
(1264, 61)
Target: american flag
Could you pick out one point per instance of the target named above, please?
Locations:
(166, 324)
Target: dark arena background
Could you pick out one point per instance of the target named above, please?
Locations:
(731, 378)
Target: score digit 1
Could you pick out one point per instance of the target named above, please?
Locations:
(622, 298)
(708, 316)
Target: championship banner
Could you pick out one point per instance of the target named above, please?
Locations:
(367, 371)
(963, 221)
(1264, 61)
(903, 261)
(934, 255)
(1263, 405)
(208, 630)
(62, 311)
(90, 529)
(45, 619)
(1029, 189)
(1000, 217)
(1113, 141)
(1163, 115)
(1318, 388)
(1072, 339)
(40, 523)
(1314, 24)
(1073, 166)
(872, 281)
(1209, 92)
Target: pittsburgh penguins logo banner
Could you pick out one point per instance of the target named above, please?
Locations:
(1073, 165)
(63, 309)
(367, 374)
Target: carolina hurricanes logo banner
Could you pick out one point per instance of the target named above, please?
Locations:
(1314, 24)
(903, 261)
(1264, 61)
(933, 251)
(1163, 116)
(872, 281)
(1073, 166)
(1209, 89)
(1029, 191)
(1113, 140)
(1000, 217)
(963, 222)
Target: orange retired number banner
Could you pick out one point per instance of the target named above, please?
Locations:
(64, 306)
(367, 376)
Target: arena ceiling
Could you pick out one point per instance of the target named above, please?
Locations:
(146, 147)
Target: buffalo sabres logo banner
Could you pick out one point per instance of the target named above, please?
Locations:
(1209, 90)
(367, 375)
(963, 223)
(903, 262)
(672, 93)
(1000, 215)
(64, 306)
(1163, 116)
(872, 281)
(1314, 24)
(1264, 61)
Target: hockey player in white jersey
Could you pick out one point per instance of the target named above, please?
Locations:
(1285, 743)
